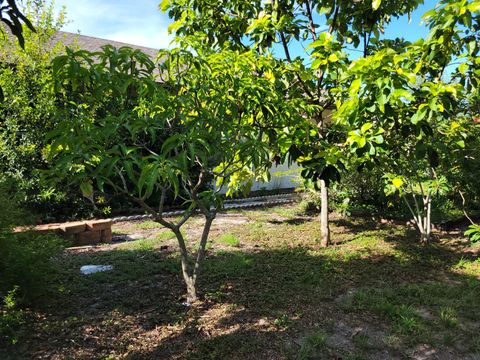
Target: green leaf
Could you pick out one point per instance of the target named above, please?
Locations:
(378, 139)
(419, 115)
(86, 188)
(376, 4)
(333, 58)
(397, 182)
(365, 127)
(324, 9)
(164, 5)
(472, 45)
(355, 86)
(362, 141)
(462, 68)
(428, 14)
(317, 63)
(474, 6)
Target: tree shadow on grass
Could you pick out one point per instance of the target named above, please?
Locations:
(285, 295)
(256, 304)
(294, 221)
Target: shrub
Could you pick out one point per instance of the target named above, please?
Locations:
(310, 203)
(473, 233)
(25, 258)
(26, 262)
(11, 319)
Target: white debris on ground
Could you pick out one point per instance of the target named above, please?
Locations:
(127, 237)
(92, 269)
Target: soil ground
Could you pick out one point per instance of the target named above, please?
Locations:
(268, 291)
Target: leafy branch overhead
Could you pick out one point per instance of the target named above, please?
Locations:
(12, 17)
(404, 108)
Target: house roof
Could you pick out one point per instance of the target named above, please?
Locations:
(84, 42)
(93, 44)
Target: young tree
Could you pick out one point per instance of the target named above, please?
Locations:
(404, 109)
(312, 37)
(147, 130)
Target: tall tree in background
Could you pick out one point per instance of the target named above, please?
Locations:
(311, 36)
(407, 109)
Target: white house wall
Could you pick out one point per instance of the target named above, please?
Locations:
(283, 176)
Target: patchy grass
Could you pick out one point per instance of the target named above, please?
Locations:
(165, 235)
(147, 225)
(228, 239)
(375, 293)
(313, 344)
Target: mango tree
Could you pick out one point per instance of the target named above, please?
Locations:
(311, 37)
(148, 129)
(404, 107)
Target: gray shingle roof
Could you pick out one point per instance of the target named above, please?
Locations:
(93, 44)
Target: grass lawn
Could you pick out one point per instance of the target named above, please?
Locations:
(269, 291)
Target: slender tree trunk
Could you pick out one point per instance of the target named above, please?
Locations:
(190, 268)
(422, 217)
(428, 219)
(325, 228)
(191, 288)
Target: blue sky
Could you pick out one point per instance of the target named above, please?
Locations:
(137, 22)
(140, 22)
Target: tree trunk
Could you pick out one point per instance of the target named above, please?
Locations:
(190, 269)
(425, 238)
(191, 289)
(422, 217)
(325, 229)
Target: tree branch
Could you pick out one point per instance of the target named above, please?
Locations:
(333, 25)
(464, 209)
(311, 24)
(289, 59)
(202, 245)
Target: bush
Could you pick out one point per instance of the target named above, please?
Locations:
(25, 258)
(473, 233)
(11, 319)
(311, 202)
(26, 262)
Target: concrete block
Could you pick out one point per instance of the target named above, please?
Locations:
(74, 227)
(88, 238)
(106, 236)
(46, 228)
(99, 224)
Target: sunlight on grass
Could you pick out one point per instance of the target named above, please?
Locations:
(378, 275)
(229, 240)
(144, 244)
(147, 225)
(147, 244)
(286, 211)
(468, 267)
(165, 235)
